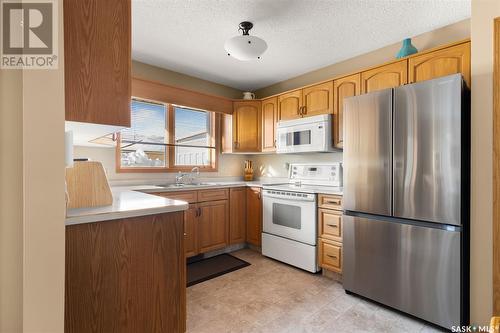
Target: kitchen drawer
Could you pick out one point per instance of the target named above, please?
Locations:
(189, 196)
(330, 201)
(330, 255)
(211, 195)
(330, 224)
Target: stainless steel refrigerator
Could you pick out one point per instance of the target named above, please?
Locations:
(406, 198)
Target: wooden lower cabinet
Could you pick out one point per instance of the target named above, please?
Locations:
(191, 230)
(237, 215)
(126, 275)
(212, 225)
(330, 231)
(254, 216)
(330, 255)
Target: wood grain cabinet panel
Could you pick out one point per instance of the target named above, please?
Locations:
(213, 225)
(97, 61)
(318, 99)
(254, 216)
(447, 61)
(330, 255)
(212, 195)
(388, 76)
(247, 126)
(269, 121)
(237, 215)
(344, 87)
(330, 201)
(289, 105)
(126, 275)
(191, 230)
(330, 224)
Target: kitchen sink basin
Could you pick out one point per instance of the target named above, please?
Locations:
(186, 185)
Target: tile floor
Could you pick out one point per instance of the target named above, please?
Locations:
(272, 297)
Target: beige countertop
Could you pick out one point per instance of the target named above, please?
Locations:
(135, 200)
(126, 203)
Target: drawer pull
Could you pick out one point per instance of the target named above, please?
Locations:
(335, 202)
(332, 256)
(332, 225)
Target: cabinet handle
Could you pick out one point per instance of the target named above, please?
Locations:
(331, 256)
(304, 110)
(199, 211)
(259, 195)
(332, 225)
(335, 202)
(185, 235)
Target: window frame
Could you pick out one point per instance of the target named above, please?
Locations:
(170, 145)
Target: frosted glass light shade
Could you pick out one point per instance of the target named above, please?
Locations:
(245, 47)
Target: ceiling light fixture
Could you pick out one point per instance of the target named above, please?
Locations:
(245, 47)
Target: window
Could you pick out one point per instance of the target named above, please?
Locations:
(167, 137)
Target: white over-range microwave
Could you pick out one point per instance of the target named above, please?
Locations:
(305, 135)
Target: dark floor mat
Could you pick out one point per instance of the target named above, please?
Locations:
(209, 268)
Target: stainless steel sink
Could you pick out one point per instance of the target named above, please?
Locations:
(186, 185)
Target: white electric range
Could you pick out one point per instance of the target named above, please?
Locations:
(289, 213)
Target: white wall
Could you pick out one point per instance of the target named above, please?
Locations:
(483, 13)
(44, 198)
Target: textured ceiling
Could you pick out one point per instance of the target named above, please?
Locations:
(188, 36)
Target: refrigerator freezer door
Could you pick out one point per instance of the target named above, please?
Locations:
(367, 153)
(427, 150)
(411, 268)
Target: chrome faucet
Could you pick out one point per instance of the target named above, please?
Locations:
(194, 171)
(179, 178)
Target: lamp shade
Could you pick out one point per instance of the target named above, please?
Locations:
(245, 47)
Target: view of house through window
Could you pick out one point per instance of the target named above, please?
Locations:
(167, 137)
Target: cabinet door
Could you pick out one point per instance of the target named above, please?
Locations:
(246, 126)
(227, 141)
(269, 120)
(97, 61)
(383, 77)
(212, 225)
(343, 87)
(237, 215)
(318, 99)
(289, 105)
(190, 230)
(451, 60)
(254, 216)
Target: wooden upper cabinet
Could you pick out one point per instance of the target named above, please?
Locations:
(212, 225)
(237, 215)
(269, 120)
(97, 61)
(343, 87)
(318, 99)
(447, 61)
(388, 76)
(254, 216)
(289, 105)
(247, 126)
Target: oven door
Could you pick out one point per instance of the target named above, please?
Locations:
(302, 138)
(290, 215)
